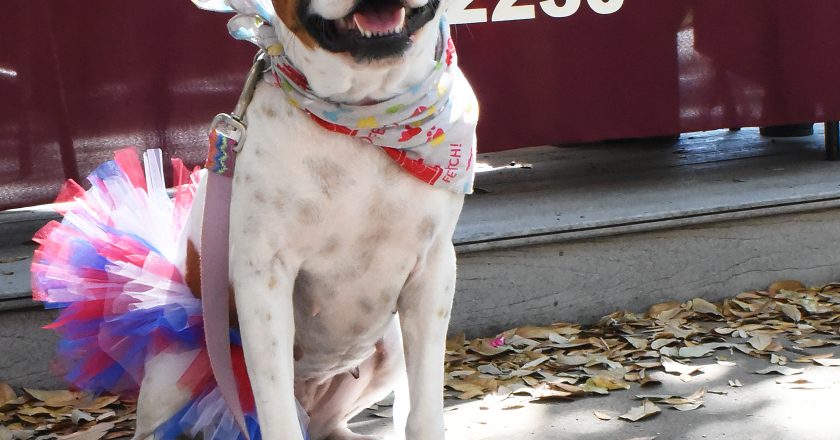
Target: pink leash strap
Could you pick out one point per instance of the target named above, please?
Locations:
(227, 135)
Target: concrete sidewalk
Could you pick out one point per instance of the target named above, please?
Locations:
(767, 407)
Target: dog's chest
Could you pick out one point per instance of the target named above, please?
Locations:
(336, 218)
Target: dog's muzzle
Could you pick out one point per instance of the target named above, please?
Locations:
(374, 29)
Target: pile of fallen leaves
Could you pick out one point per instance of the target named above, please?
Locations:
(565, 360)
(63, 415)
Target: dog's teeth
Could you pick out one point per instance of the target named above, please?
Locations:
(353, 23)
(358, 26)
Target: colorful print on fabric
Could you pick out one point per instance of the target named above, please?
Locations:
(221, 157)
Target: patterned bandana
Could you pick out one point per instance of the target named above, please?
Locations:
(428, 130)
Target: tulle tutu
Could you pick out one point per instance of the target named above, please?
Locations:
(114, 267)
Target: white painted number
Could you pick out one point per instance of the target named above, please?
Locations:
(459, 14)
(605, 7)
(552, 10)
(507, 10)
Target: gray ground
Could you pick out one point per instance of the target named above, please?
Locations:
(767, 407)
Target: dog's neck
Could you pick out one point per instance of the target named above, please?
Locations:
(337, 78)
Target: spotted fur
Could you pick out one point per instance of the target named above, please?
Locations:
(343, 277)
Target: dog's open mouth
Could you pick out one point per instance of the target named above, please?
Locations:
(375, 29)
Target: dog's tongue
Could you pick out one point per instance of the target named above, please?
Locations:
(381, 19)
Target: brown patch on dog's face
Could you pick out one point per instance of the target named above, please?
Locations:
(287, 10)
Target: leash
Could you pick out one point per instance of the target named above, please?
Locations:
(226, 135)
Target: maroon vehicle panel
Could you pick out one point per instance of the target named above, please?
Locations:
(79, 79)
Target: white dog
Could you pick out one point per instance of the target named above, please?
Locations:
(341, 258)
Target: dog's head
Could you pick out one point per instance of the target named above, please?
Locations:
(363, 30)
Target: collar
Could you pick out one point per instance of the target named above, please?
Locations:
(429, 130)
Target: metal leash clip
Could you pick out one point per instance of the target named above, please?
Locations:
(228, 130)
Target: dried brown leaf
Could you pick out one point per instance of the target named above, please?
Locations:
(33, 411)
(810, 358)
(544, 393)
(456, 344)
(76, 416)
(811, 343)
(572, 360)
(484, 348)
(608, 382)
(491, 369)
(701, 350)
(780, 285)
(536, 362)
(637, 343)
(647, 409)
(659, 343)
(56, 398)
(469, 395)
(533, 332)
(761, 342)
(7, 394)
(590, 387)
(649, 381)
(687, 406)
(602, 415)
(779, 369)
(95, 432)
(672, 366)
(791, 311)
(828, 362)
(664, 311)
(700, 305)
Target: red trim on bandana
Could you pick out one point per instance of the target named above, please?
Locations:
(415, 167)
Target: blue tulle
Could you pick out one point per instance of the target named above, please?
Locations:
(123, 300)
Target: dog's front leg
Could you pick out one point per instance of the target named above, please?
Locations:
(266, 321)
(424, 308)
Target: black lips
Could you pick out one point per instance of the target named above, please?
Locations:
(362, 48)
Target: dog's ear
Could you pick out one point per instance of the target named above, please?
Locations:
(288, 11)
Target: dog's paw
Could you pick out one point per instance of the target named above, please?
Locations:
(346, 434)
